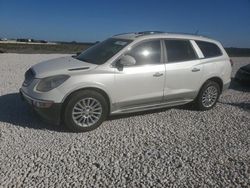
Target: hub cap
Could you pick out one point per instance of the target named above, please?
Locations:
(87, 112)
(209, 96)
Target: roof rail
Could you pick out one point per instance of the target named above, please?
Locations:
(149, 32)
(124, 33)
(183, 33)
(141, 33)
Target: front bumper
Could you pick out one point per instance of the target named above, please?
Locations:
(48, 110)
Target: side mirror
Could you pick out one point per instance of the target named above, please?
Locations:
(77, 54)
(127, 60)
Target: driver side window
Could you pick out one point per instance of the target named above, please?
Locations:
(147, 53)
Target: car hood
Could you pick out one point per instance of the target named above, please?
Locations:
(246, 68)
(63, 65)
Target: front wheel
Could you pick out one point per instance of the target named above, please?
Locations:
(85, 111)
(208, 96)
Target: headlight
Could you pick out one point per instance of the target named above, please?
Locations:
(49, 83)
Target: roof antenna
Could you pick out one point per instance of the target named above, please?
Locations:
(196, 32)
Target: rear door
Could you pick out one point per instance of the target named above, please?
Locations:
(183, 70)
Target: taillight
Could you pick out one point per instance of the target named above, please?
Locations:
(231, 62)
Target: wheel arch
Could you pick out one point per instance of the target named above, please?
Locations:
(216, 79)
(101, 91)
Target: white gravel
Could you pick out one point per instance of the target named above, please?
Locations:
(174, 147)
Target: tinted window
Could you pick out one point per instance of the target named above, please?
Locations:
(209, 49)
(147, 53)
(101, 52)
(179, 50)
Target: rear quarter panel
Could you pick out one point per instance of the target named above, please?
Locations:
(217, 67)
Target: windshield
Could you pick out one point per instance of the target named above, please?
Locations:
(101, 52)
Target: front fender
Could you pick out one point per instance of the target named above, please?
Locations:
(82, 86)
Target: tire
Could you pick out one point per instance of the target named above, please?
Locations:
(206, 103)
(80, 116)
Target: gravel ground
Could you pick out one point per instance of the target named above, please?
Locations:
(175, 147)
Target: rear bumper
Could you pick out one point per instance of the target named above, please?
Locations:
(48, 110)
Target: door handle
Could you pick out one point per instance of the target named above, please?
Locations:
(195, 70)
(157, 74)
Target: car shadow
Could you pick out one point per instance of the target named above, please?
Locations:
(235, 85)
(16, 112)
(133, 114)
(243, 105)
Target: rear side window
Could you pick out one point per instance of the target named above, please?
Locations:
(147, 53)
(209, 49)
(179, 50)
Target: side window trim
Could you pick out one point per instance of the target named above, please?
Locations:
(166, 54)
(139, 43)
(163, 51)
(221, 52)
(197, 49)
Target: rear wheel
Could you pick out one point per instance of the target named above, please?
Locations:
(85, 111)
(208, 95)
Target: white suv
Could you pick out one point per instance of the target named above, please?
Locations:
(128, 73)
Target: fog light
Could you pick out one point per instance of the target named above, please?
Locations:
(42, 104)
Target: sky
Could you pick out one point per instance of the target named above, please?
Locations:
(94, 20)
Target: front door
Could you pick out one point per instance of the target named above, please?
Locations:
(142, 83)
